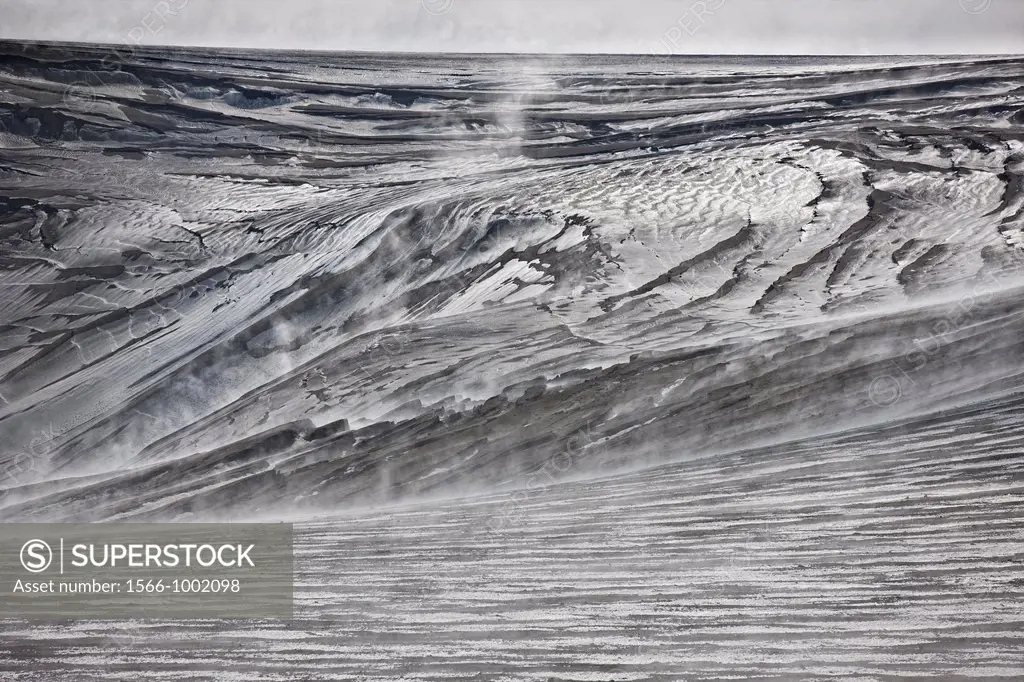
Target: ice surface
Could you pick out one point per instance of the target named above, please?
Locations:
(637, 368)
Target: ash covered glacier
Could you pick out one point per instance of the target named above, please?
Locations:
(623, 324)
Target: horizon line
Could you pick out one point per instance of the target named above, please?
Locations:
(296, 50)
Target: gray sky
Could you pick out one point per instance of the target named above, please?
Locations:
(658, 26)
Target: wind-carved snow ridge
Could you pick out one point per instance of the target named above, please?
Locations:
(235, 286)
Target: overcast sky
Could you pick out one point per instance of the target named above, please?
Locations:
(655, 26)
